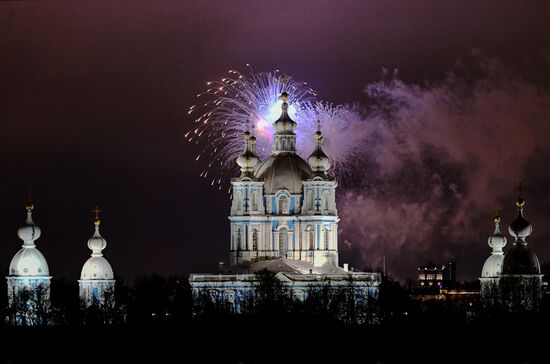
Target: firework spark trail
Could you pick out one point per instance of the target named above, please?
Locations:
(235, 103)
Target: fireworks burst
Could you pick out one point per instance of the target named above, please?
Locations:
(239, 102)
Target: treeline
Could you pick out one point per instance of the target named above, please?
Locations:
(154, 299)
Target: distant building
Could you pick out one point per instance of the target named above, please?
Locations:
(28, 279)
(437, 276)
(284, 220)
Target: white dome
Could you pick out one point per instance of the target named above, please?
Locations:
(493, 266)
(29, 262)
(96, 268)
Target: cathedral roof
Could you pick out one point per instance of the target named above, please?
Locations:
(492, 266)
(96, 267)
(497, 241)
(520, 259)
(283, 171)
(29, 261)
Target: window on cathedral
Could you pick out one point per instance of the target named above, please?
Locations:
(283, 205)
(238, 239)
(309, 200)
(254, 201)
(283, 241)
(255, 240)
(325, 201)
(310, 237)
(327, 238)
(239, 201)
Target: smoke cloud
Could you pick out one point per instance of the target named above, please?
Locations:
(431, 161)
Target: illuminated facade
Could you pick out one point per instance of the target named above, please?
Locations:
(29, 278)
(97, 281)
(284, 219)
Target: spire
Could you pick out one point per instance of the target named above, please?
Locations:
(248, 159)
(285, 138)
(497, 241)
(520, 228)
(318, 160)
(96, 243)
(29, 232)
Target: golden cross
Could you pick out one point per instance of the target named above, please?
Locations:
(96, 211)
(498, 208)
(520, 189)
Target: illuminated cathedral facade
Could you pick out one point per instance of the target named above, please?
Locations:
(283, 219)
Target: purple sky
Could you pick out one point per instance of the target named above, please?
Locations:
(93, 101)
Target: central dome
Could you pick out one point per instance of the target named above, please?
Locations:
(283, 171)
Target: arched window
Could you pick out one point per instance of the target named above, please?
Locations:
(238, 239)
(327, 238)
(283, 241)
(239, 198)
(309, 200)
(310, 237)
(254, 201)
(284, 144)
(283, 205)
(325, 200)
(255, 240)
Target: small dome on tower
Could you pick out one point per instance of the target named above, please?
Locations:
(96, 267)
(520, 228)
(248, 159)
(29, 232)
(284, 124)
(29, 261)
(497, 241)
(318, 160)
(520, 259)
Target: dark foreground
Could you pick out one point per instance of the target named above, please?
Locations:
(287, 339)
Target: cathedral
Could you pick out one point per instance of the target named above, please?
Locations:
(284, 220)
(513, 279)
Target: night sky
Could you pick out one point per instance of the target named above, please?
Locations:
(93, 108)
